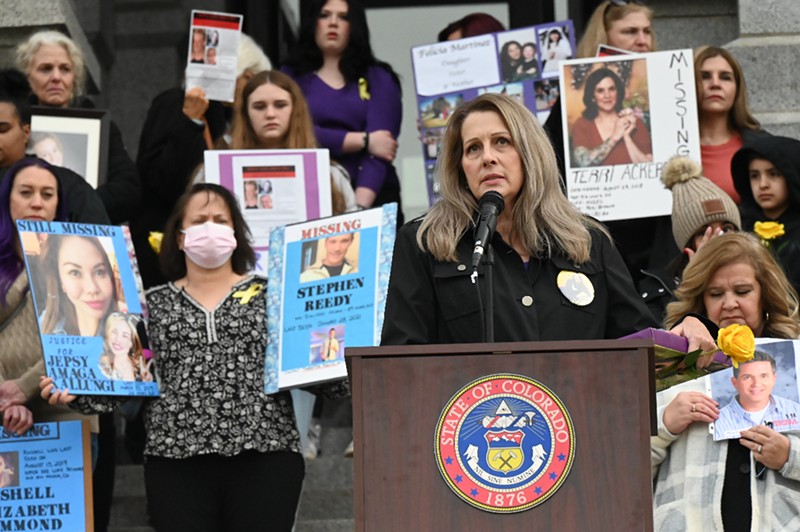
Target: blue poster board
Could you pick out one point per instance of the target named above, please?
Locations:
(327, 291)
(46, 478)
(87, 294)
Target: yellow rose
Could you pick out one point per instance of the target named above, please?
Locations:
(155, 241)
(768, 230)
(738, 342)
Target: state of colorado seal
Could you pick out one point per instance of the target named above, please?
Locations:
(504, 443)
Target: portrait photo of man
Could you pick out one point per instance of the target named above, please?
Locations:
(754, 403)
(330, 347)
(334, 260)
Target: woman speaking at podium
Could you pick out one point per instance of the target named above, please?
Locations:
(556, 273)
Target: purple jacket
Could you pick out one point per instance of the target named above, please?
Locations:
(338, 111)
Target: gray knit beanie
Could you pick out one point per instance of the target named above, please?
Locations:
(696, 201)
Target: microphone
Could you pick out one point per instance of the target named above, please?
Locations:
(491, 205)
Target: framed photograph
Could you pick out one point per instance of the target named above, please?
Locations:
(73, 138)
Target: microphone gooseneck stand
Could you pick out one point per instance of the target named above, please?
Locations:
(488, 317)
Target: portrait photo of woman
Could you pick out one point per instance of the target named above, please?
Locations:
(197, 50)
(555, 48)
(510, 60)
(80, 284)
(610, 129)
(48, 147)
(123, 354)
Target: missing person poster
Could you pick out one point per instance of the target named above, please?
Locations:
(46, 478)
(521, 63)
(624, 117)
(327, 291)
(274, 188)
(91, 312)
(763, 391)
(213, 47)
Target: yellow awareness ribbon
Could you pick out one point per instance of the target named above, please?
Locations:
(246, 295)
(363, 89)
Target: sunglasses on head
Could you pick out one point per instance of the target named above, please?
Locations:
(621, 3)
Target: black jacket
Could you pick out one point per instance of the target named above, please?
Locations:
(432, 302)
(784, 153)
(170, 149)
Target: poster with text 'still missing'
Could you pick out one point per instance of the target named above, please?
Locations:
(327, 291)
(46, 478)
(88, 298)
(624, 117)
(213, 46)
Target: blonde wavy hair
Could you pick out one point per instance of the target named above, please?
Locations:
(778, 298)
(27, 49)
(601, 21)
(546, 222)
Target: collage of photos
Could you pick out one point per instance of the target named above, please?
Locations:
(761, 391)
(203, 47)
(77, 290)
(527, 62)
(257, 194)
(608, 113)
(328, 257)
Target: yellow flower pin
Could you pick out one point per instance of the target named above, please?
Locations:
(738, 342)
(768, 231)
(155, 239)
(363, 89)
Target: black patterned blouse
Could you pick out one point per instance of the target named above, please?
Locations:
(211, 368)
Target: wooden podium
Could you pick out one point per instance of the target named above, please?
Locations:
(607, 386)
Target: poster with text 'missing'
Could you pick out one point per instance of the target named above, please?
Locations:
(46, 478)
(88, 297)
(624, 117)
(327, 292)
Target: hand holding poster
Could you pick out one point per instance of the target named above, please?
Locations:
(213, 47)
(46, 478)
(87, 294)
(327, 292)
(624, 117)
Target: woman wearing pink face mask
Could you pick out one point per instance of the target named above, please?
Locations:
(220, 454)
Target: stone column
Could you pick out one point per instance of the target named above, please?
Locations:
(768, 49)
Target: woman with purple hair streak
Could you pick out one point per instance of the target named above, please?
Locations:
(29, 191)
